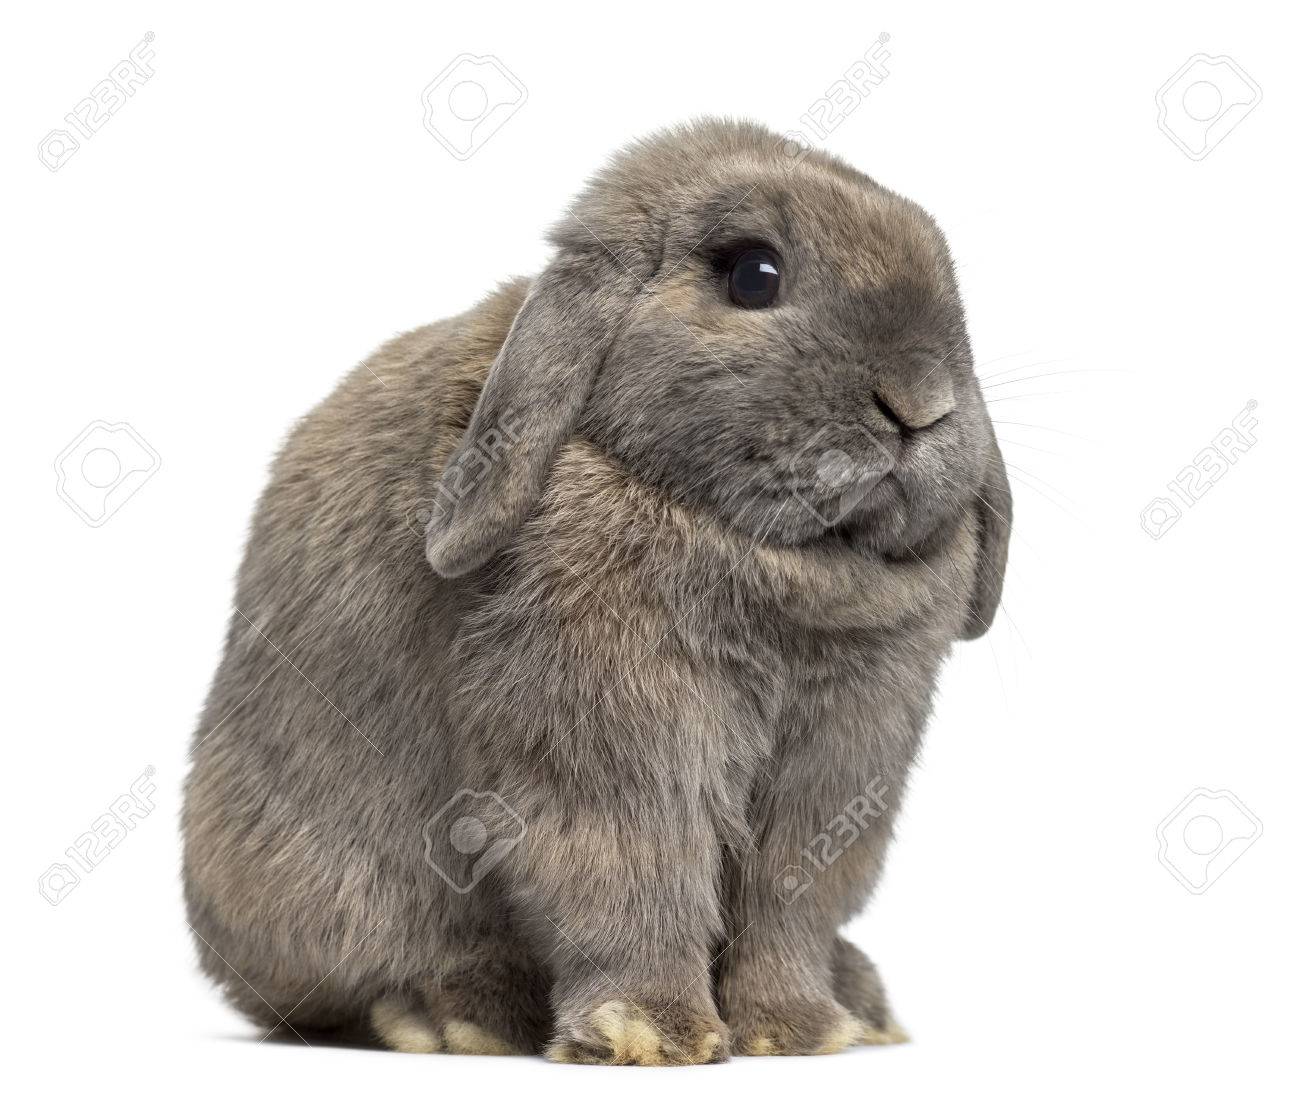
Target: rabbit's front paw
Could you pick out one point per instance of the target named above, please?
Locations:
(796, 1027)
(623, 1033)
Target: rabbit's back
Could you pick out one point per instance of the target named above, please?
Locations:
(321, 741)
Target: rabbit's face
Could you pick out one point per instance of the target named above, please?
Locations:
(798, 363)
(778, 342)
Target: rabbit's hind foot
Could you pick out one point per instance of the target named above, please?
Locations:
(859, 989)
(403, 1026)
(799, 1028)
(891, 1033)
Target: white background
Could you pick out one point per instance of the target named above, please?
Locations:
(269, 207)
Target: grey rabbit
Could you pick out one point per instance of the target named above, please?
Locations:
(583, 641)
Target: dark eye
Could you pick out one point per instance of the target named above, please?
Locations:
(755, 278)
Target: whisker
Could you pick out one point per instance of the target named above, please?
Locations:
(1006, 700)
(1054, 373)
(1019, 369)
(1018, 536)
(1025, 396)
(1045, 427)
(1051, 501)
(1000, 358)
(1044, 482)
(1007, 613)
(1029, 447)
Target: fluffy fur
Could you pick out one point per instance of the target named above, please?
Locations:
(647, 634)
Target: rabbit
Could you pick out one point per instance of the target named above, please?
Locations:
(583, 642)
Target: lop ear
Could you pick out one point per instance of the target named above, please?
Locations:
(529, 405)
(993, 509)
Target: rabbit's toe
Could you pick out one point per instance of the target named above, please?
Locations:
(889, 1033)
(799, 1028)
(622, 1033)
(403, 1027)
(465, 1038)
(859, 989)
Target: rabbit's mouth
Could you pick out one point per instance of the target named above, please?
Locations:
(889, 493)
(889, 501)
(800, 511)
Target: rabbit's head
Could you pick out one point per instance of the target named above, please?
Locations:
(768, 337)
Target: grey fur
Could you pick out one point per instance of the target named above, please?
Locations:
(653, 633)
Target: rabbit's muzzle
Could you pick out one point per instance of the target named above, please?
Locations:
(911, 409)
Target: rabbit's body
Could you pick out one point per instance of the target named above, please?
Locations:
(615, 790)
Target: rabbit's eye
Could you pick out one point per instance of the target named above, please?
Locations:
(755, 279)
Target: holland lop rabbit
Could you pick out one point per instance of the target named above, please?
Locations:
(583, 641)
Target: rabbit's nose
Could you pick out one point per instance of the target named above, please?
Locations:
(913, 406)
